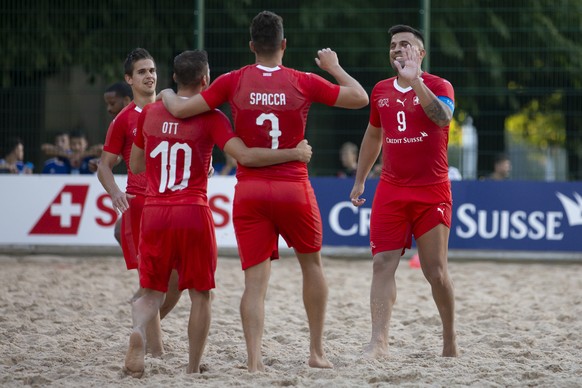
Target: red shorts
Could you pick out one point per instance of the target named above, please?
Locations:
(177, 237)
(130, 222)
(399, 212)
(263, 210)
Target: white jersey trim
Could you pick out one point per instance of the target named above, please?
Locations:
(400, 88)
(265, 68)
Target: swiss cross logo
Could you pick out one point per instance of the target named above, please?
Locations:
(63, 215)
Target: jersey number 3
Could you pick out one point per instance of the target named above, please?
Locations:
(275, 132)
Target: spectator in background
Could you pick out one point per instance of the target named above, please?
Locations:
(501, 168)
(71, 154)
(61, 149)
(349, 160)
(226, 168)
(376, 170)
(81, 153)
(13, 158)
(455, 174)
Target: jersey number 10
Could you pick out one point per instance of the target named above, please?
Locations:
(168, 157)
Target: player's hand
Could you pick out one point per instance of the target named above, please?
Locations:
(408, 63)
(120, 201)
(305, 151)
(326, 59)
(357, 190)
(160, 95)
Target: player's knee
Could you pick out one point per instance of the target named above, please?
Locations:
(436, 276)
(384, 263)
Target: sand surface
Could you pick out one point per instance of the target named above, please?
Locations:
(65, 322)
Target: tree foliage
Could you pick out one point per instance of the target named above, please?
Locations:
(499, 55)
(95, 35)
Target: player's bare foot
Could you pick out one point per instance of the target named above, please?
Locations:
(450, 350)
(156, 352)
(256, 367)
(319, 362)
(135, 357)
(375, 351)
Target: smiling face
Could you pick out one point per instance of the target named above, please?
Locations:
(62, 141)
(400, 41)
(144, 78)
(78, 144)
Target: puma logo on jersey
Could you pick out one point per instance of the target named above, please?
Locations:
(441, 211)
(401, 101)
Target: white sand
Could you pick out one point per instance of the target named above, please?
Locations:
(66, 322)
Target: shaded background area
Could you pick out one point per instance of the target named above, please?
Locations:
(515, 68)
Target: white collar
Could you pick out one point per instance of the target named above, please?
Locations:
(400, 88)
(270, 69)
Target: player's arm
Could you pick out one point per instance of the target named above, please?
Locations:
(183, 107)
(137, 162)
(369, 151)
(260, 157)
(352, 95)
(105, 175)
(434, 107)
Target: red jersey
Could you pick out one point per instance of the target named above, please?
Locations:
(269, 109)
(178, 152)
(119, 140)
(414, 147)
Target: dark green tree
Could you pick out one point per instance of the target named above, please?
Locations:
(500, 56)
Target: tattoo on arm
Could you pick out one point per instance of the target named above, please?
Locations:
(436, 112)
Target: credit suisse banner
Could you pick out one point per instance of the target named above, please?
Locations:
(487, 215)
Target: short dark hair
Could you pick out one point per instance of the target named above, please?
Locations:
(404, 28)
(76, 134)
(121, 89)
(11, 143)
(500, 157)
(190, 67)
(135, 55)
(267, 32)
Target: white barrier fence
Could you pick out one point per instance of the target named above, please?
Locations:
(75, 210)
